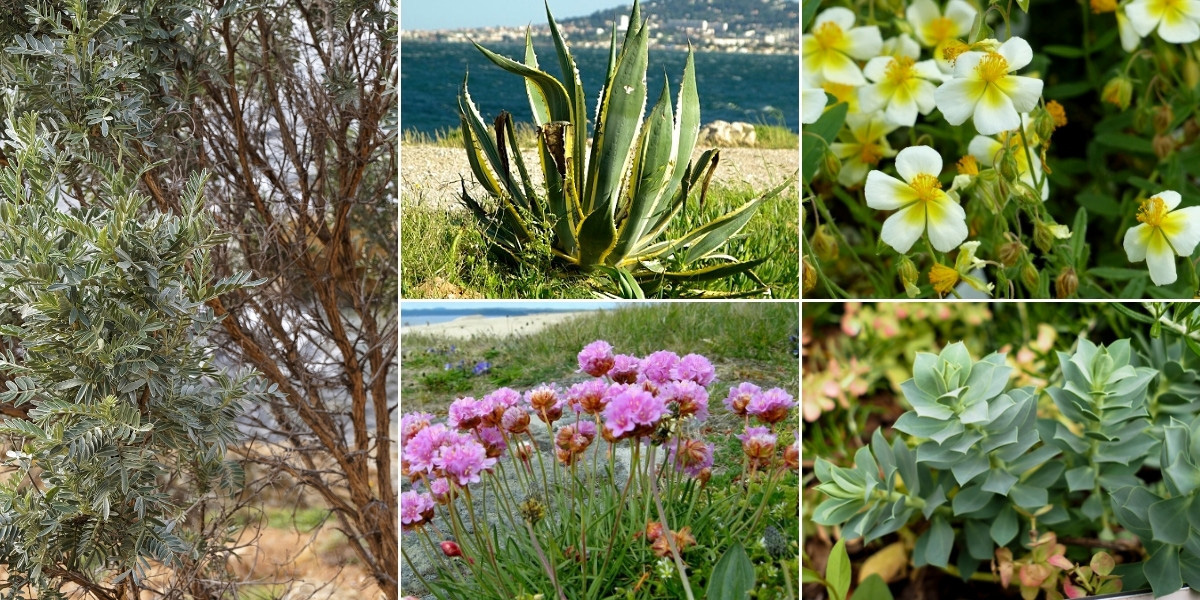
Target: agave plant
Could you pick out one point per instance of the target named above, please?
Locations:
(605, 208)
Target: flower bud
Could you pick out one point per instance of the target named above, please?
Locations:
(824, 245)
(1191, 130)
(810, 276)
(704, 476)
(1163, 116)
(1002, 281)
(1008, 166)
(451, 549)
(908, 273)
(1067, 283)
(1010, 252)
(1030, 277)
(1024, 194)
(1043, 238)
(831, 164)
(1163, 145)
(1118, 92)
(1043, 125)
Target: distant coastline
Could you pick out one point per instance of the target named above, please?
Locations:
(459, 36)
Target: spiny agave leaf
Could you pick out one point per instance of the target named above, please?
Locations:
(526, 192)
(477, 142)
(552, 89)
(627, 286)
(703, 167)
(651, 169)
(596, 239)
(578, 100)
(537, 99)
(708, 273)
(709, 237)
(552, 139)
(617, 125)
(687, 125)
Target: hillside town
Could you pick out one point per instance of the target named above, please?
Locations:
(722, 26)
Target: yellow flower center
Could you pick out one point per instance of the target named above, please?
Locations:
(927, 186)
(1057, 113)
(939, 29)
(967, 165)
(953, 49)
(992, 67)
(943, 278)
(1103, 6)
(899, 70)
(828, 34)
(841, 91)
(871, 153)
(1153, 211)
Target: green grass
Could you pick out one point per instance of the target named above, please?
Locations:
(747, 341)
(300, 519)
(775, 137)
(445, 255)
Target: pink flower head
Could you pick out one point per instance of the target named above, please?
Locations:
(422, 449)
(758, 443)
(440, 488)
(740, 397)
(691, 456)
(596, 358)
(492, 406)
(625, 368)
(771, 406)
(689, 396)
(633, 410)
(588, 397)
(415, 509)
(492, 440)
(464, 461)
(574, 439)
(411, 423)
(658, 366)
(515, 420)
(464, 413)
(694, 367)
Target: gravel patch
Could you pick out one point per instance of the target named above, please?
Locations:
(430, 175)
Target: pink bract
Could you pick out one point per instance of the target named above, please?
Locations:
(658, 366)
(596, 358)
(694, 367)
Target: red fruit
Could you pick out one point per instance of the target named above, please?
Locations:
(451, 549)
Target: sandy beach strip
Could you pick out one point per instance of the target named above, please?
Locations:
(480, 326)
(430, 175)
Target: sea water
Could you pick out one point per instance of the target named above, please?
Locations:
(758, 88)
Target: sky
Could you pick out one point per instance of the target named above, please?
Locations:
(454, 14)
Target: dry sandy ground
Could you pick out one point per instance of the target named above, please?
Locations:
(475, 325)
(429, 175)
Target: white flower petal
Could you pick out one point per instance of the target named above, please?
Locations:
(885, 192)
(904, 228)
(839, 68)
(1017, 52)
(928, 69)
(914, 160)
(985, 149)
(1160, 260)
(957, 99)
(1023, 91)
(1130, 39)
(903, 45)
(1136, 240)
(1182, 228)
(853, 172)
(1180, 30)
(924, 97)
(840, 16)
(1169, 197)
(812, 103)
(946, 222)
(876, 68)
(864, 42)
(1140, 18)
(844, 151)
(965, 64)
(902, 110)
(995, 113)
(871, 98)
(962, 15)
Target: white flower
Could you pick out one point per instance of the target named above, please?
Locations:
(922, 203)
(812, 104)
(1163, 233)
(901, 85)
(933, 28)
(987, 150)
(1176, 20)
(901, 45)
(984, 88)
(866, 144)
(834, 44)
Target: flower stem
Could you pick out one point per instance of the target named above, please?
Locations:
(662, 515)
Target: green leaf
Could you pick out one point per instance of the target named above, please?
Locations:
(1166, 517)
(1063, 51)
(1125, 142)
(810, 11)
(733, 575)
(1162, 571)
(873, 587)
(837, 570)
(618, 120)
(1004, 526)
(818, 136)
(940, 542)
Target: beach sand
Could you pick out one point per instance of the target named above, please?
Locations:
(480, 326)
